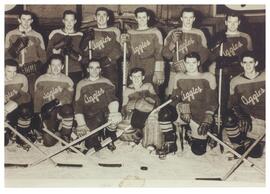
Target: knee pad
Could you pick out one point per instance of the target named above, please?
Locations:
(48, 140)
(231, 128)
(92, 142)
(198, 146)
(257, 151)
(138, 119)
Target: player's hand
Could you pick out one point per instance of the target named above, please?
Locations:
(114, 118)
(179, 66)
(124, 38)
(177, 35)
(82, 130)
(206, 124)
(56, 51)
(158, 78)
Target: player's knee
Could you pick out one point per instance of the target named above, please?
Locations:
(198, 146)
(48, 140)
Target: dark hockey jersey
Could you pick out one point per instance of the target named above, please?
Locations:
(146, 90)
(234, 45)
(17, 90)
(48, 88)
(199, 91)
(249, 94)
(56, 36)
(93, 96)
(107, 43)
(145, 47)
(190, 41)
(35, 50)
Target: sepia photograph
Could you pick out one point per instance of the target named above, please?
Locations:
(134, 95)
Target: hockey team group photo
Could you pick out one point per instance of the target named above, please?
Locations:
(134, 95)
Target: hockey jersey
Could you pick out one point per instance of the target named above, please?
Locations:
(93, 97)
(17, 90)
(106, 43)
(56, 36)
(35, 50)
(199, 91)
(190, 41)
(48, 88)
(249, 94)
(145, 47)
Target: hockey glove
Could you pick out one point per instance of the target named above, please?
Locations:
(72, 54)
(184, 111)
(158, 77)
(47, 108)
(124, 38)
(87, 36)
(114, 118)
(81, 130)
(19, 45)
(179, 66)
(34, 67)
(65, 42)
(206, 124)
(244, 120)
(145, 104)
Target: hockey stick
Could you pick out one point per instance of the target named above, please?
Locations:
(71, 144)
(235, 152)
(36, 148)
(239, 162)
(90, 49)
(177, 51)
(124, 67)
(66, 64)
(60, 139)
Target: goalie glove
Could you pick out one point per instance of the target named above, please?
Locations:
(18, 46)
(87, 36)
(244, 119)
(65, 42)
(184, 111)
(206, 124)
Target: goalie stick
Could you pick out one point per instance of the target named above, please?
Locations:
(37, 149)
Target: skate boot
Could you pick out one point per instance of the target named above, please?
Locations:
(168, 147)
(111, 146)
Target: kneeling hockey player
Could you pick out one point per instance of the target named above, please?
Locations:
(247, 101)
(53, 97)
(17, 102)
(95, 103)
(197, 92)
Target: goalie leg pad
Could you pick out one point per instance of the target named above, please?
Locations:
(138, 119)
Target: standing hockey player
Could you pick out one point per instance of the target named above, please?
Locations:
(227, 48)
(95, 104)
(26, 46)
(182, 41)
(53, 97)
(197, 92)
(144, 47)
(105, 46)
(17, 107)
(247, 101)
(66, 41)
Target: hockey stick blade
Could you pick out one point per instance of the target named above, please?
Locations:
(110, 165)
(7, 165)
(208, 179)
(69, 165)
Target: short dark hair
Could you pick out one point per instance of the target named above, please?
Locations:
(187, 9)
(193, 55)
(56, 56)
(250, 54)
(11, 62)
(69, 12)
(137, 69)
(25, 12)
(233, 14)
(141, 9)
(102, 9)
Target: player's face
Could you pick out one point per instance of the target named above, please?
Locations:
(137, 78)
(94, 69)
(232, 23)
(187, 19)
(191, 65)
(69, 21)
(56, 66)
(10, 72)
(25, 21)
(142, 18)
(102, 18)
(249, 64)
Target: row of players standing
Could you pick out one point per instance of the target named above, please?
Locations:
(145, 50)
